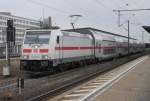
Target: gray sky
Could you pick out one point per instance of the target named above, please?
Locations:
(96, 13)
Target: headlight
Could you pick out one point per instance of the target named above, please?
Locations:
(36, 47)
(45, 57)
(25, 56)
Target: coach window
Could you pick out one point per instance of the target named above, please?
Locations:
(57, 39)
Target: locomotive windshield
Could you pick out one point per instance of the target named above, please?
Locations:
(37, 37)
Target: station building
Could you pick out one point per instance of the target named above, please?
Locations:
(21, 24)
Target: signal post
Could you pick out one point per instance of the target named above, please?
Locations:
(10, 42)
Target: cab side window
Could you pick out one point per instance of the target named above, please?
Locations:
(57, 40)
(99, 48)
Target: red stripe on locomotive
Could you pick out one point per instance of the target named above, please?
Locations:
(43, 50)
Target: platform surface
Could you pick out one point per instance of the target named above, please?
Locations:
(135, 86)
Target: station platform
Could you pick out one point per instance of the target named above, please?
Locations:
(135, 86)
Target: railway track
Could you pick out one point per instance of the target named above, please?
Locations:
(38, 89)
(72, 83)
(100, 83)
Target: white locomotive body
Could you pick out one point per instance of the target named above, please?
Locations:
(47, 49)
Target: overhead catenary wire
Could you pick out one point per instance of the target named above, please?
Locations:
(103, 5)
(133, 10)
(48, 6)
(53, 8)
(137, 20)
(110, 9)
(84, 11)
(74, 6)
(139, 5)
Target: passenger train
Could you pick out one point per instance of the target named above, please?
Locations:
(47, 49)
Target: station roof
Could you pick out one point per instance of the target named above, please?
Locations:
(147, 28)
